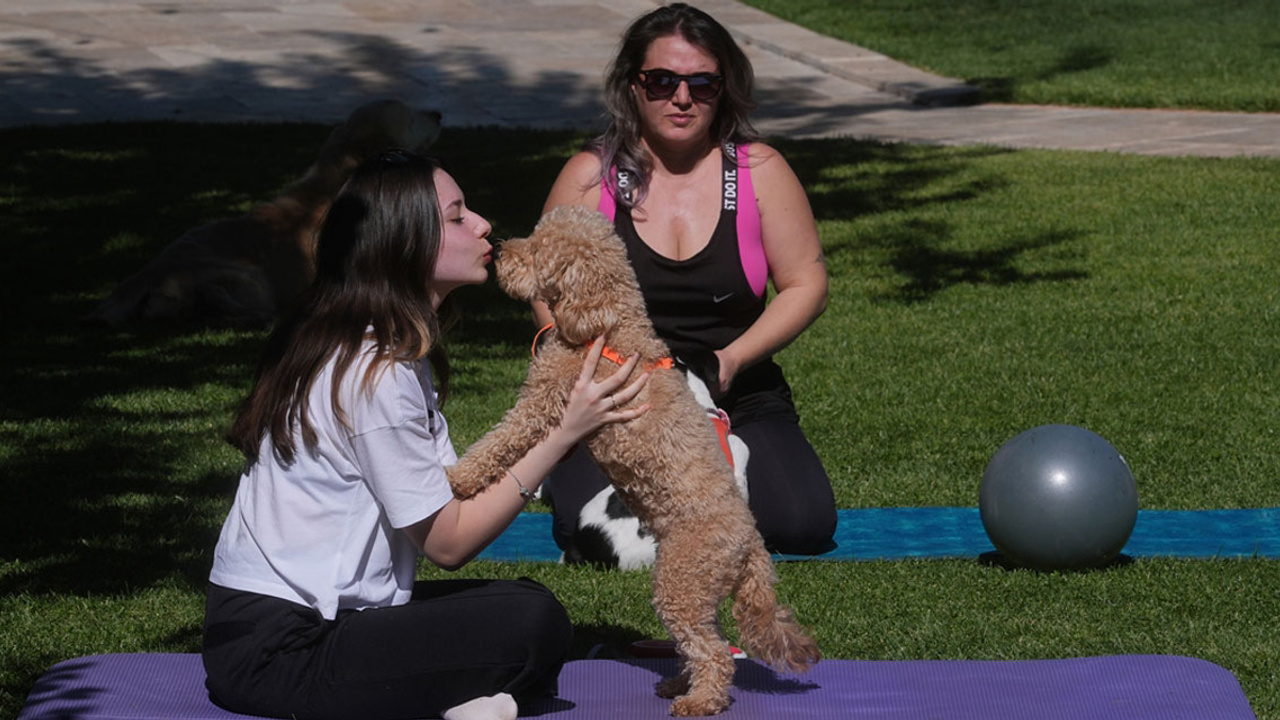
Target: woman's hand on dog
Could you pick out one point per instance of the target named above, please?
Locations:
(463, 527)
(593, 404)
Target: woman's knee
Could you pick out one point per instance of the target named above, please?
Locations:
(540, 619)
(541, 634)
(799, 541)
(797, 528)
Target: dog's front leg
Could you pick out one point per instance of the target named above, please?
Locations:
(535, 413)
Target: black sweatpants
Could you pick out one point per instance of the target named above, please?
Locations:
(454, 641)
(789, 491)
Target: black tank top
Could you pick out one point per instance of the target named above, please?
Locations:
(703, 303)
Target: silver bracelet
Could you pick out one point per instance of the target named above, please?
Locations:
(525, 493)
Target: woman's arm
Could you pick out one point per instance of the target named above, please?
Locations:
(794, 254)
(462, 528)
(577, 184)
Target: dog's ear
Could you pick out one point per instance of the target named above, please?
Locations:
(584, 273)
(585, 310)
(582, 326)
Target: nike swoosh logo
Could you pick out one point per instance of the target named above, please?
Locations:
(720, 298)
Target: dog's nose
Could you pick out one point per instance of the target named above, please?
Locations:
(497, 251)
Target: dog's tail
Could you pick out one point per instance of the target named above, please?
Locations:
(767, 629)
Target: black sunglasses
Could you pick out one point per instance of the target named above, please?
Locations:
(660, 84)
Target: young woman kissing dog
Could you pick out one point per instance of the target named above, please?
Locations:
(313, 610)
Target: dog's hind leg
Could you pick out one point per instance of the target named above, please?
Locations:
(767, 628)
(686, 599)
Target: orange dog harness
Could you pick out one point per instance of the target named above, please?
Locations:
(719, 418)
(608, 352)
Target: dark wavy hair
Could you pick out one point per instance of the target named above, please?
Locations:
(619, 146)
(375, 256)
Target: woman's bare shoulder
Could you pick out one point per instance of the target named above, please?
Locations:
(765, 158)
(769, 168)
(578, 182)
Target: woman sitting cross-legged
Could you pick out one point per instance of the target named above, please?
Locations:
(313, 610)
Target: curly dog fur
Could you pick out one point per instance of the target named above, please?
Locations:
(667, 465)
(609, 535)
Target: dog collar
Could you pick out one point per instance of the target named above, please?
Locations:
(608, 352)
(538, 337)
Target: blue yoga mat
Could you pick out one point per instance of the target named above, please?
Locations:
(956, 532)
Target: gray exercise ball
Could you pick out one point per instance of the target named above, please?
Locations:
(1058, 497)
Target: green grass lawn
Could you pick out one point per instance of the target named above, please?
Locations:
(1205, 54)
(976, 292)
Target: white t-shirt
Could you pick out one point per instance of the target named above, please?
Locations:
(322, 531)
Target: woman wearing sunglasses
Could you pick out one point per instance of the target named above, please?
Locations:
(312, 610)
(709, 216)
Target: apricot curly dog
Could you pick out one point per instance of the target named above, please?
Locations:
(667, 464)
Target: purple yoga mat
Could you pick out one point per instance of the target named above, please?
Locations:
(1123, 687)
(1128, 687)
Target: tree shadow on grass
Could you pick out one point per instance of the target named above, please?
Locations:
(851, 180)
(116, 474)
(1080, 58)
(919, 256)
(104, 498)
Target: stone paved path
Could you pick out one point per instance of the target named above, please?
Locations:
(535, 63)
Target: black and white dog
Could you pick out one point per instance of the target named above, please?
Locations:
(610, 536)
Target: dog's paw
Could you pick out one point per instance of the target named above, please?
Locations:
(691, 706)
(464, 485)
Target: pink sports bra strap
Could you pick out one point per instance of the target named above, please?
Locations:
(608, 203)
(750, 238)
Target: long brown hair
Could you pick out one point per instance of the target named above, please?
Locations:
(375, 256)
(619, 146)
